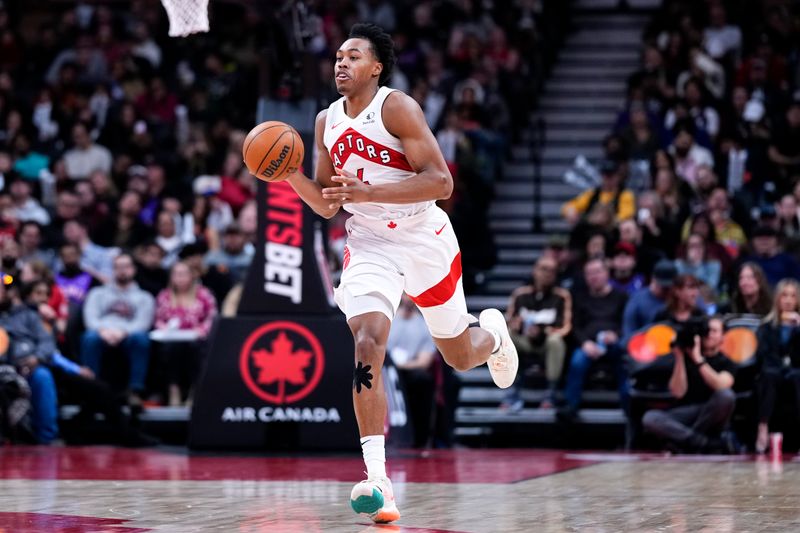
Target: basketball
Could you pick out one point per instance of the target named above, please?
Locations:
(273, 150)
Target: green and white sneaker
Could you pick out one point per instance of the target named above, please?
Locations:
(374, 498)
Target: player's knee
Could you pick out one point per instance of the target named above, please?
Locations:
(369, 350)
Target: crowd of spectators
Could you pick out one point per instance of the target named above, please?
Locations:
(127, 218)
(696, 216)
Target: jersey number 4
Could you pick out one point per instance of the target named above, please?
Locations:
(360, 175)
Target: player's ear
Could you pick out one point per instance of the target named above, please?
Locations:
(377, 69)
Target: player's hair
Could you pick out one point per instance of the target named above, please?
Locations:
(382, 46)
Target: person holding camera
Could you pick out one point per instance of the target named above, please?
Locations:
(701, 382)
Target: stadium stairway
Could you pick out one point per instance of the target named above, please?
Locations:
(576, 110)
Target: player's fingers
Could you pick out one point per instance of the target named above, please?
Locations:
(343, 172)
(345, 180)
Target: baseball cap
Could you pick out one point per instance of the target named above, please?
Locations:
(665, 272)
(625, 248)
(765, 231)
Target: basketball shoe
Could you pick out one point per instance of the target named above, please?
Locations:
(504, 362)
(374, 498)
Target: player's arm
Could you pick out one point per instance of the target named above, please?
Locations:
(404, 119)
(310, 191)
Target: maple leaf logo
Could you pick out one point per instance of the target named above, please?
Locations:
(281, 363)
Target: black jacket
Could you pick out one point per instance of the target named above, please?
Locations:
(771, 351)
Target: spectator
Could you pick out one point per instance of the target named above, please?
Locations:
(168, 238)
(26, 208)
(119, 314)
(184, 306)
(700, 224)
(720, 38)
(235, 256)
(611, 191)
(95, 259)
(624, 276)
(30, 347)
(30, 245)
(216, 278)
(697, 264)
(40, 291)
(778, 355)
(701, 382)
(682, 301)
(412, 351)
(689, 156)
(85, 156)
(73, 281)
(752, 294)
(643, 306)
(68, 207)
(646, 256)
(150, 274)
(784, 152)
(539, 316)
(597, 323)
(125, 230)
(728, 233)
(767, 254)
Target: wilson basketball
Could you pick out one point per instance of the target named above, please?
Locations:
(273, 150)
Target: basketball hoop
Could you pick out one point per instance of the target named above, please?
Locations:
(186, 16)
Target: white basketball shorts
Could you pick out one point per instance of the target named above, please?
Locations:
(418, 255)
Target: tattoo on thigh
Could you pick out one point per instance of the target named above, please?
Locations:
(362, 376)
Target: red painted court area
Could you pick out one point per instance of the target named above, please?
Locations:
(105, 489)
(446, 466)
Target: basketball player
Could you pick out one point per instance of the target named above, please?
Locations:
(377, 159)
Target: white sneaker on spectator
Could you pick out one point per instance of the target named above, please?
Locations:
(504, 362)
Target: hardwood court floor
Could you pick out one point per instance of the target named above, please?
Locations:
(113, 490)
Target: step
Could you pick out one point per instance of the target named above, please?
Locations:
(490, 394)
(522, 240)
(590, 151)
(612, 4)
(522, 255)
(506, 209)
(590, 72)
(588, 37)
(607, 22)
(597, 87)
(617, 57)
(510, 272)
(503, 286)
(510, 224)
(563, 118)
(482, 415)
(562, 135)
(481, 302)
(525, 190)
(608, 104)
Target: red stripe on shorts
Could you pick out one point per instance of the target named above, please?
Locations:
(346, 258)
(442, 291)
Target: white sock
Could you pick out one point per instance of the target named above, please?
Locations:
(372, 446)
(496, 337)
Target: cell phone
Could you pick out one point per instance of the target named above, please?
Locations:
(643, 214)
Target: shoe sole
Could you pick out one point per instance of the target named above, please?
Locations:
(385, 516)
(505, 339)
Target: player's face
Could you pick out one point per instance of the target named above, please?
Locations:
(356, 66)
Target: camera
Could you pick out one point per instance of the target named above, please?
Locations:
(687, 331)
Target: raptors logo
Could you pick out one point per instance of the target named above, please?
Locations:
(281, 362)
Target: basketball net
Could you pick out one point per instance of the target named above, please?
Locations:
(186, 16)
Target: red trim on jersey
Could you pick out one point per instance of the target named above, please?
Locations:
(442, 291)
(396, 159)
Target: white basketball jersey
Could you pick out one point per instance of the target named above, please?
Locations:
(364, 147)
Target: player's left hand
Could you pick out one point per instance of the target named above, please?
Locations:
(351, 191)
